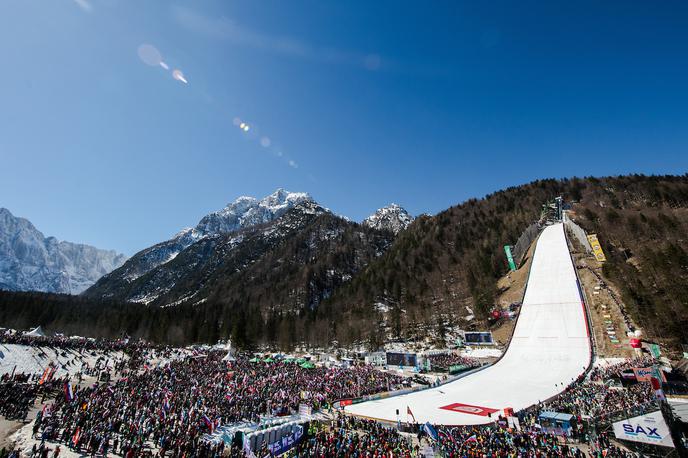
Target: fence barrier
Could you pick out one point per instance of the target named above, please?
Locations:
(524, 241)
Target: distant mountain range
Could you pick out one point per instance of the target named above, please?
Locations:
(31, 261)
(285, 271)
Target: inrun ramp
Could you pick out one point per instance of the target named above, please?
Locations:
(549, 349)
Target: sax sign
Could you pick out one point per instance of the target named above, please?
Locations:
(648, 429)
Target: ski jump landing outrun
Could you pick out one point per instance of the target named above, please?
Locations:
(550, 348)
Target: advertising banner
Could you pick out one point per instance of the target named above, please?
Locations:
(596, 248)
(645, 374)
(648, 429)
(456, 368)
(509, 257)
(286, 442)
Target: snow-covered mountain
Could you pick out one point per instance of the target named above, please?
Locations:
(243, 213)
(29, 261)
(296, 260)
(391, 218)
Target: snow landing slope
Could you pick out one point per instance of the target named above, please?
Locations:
(550, 348)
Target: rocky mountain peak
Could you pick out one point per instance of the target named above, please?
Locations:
(392, 218)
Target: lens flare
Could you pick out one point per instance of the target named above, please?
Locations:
(179, 76)
(150, 55)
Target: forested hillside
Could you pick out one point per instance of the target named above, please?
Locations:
(441, 264)
(332, 281)
(642, 224)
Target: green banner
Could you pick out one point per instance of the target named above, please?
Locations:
(509, 257)
(455, 369)
(656, 352)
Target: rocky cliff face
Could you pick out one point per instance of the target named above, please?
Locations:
(29, 261)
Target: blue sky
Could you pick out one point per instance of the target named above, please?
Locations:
(359, 103)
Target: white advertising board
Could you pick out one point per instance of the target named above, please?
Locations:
(648, 429)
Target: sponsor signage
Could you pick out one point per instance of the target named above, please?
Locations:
(648, 429)
(645, 374)
(596, 248)
(469, 409)
(509, 257)
(456, 368)
(286, 442)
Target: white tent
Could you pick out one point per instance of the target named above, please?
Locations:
(38, 332)
(229, 357)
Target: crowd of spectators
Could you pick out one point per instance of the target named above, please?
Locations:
(171, 406)
(355, 438)
(499, 441)
(66, 343)
(16, 398)
(615, 370)
(163, 402)
(443, 362)
(601, 396)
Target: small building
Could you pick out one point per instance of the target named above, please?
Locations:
(556, 423)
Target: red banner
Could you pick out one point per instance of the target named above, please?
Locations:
(469, 409)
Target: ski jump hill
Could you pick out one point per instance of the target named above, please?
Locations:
(549, 349)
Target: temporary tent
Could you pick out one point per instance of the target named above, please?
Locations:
(37, 332)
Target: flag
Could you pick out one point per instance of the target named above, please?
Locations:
(69, 394)
(430, 430)
(657, 387)
(208, 423)
(76, 436)
(44, 378)
(408, 412)
(472, 439)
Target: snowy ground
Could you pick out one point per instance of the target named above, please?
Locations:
(34, 360)
(549, 349)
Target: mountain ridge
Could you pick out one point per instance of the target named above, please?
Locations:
(334, 282)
